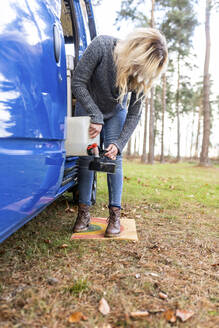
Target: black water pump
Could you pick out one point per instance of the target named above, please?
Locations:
(100, 162)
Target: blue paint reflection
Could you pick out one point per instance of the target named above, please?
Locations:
(32, 95)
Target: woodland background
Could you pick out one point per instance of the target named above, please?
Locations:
(181, 114)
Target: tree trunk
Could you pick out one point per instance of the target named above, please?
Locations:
(139, 137)
(144, 152)
(151, 130)
(151, 122)
(152, 13)
(163, 115)
(192, 136)
(128, 153)
(204, 161)
(177, 111)
(135, 145)
(198, 131)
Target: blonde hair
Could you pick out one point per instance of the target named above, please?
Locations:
(139, 59)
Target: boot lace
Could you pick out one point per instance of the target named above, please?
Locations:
(111, 218)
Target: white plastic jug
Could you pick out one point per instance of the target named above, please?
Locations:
(77, 138)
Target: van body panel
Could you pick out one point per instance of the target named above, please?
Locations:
(33, 105)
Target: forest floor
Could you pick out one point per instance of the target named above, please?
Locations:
(170, 274)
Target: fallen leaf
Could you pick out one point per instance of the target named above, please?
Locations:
(104, 306)
(169, 315)
(145, 184)
(154, 246)
(52, 281)
(215, 264)
(162, 296)
(156, 310)
(171, 187)
(139, 314)
(64, 246)
(68, 209)
(184, 315)
(76, 317)
(153, 274)
(47, 241)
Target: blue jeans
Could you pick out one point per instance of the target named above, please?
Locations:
(110, 131)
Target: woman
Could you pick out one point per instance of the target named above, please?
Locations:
(107, 71)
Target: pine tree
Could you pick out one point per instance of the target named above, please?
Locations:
(204, 161)
(178, 27)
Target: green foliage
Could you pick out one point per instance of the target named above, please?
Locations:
(177, 21)
(187, 96)
(178, 25)
(132, 10)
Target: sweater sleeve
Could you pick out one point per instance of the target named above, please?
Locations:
(132, 119)
(82, 76)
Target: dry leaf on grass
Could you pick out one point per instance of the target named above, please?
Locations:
(104, 306)
(52, 281)
(169, 315)
(64, 246)
(47, 241)
(139, 314)
(76, 317)
(162, 296)
(153, 274)
(184, 315)
(68, 209)
(154, 310)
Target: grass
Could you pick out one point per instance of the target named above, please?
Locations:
(79, 286)
(176, 210)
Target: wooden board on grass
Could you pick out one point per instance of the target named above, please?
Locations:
(98, 226)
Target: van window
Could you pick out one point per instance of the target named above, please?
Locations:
(66, 22)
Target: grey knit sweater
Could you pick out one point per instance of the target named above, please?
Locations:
(94, 86)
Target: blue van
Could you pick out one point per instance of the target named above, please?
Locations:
(36, 36)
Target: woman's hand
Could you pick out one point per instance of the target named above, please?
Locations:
(112, 151)
(94, 130)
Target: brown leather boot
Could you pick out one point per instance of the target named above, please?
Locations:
(83, 219)
(113, 228)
